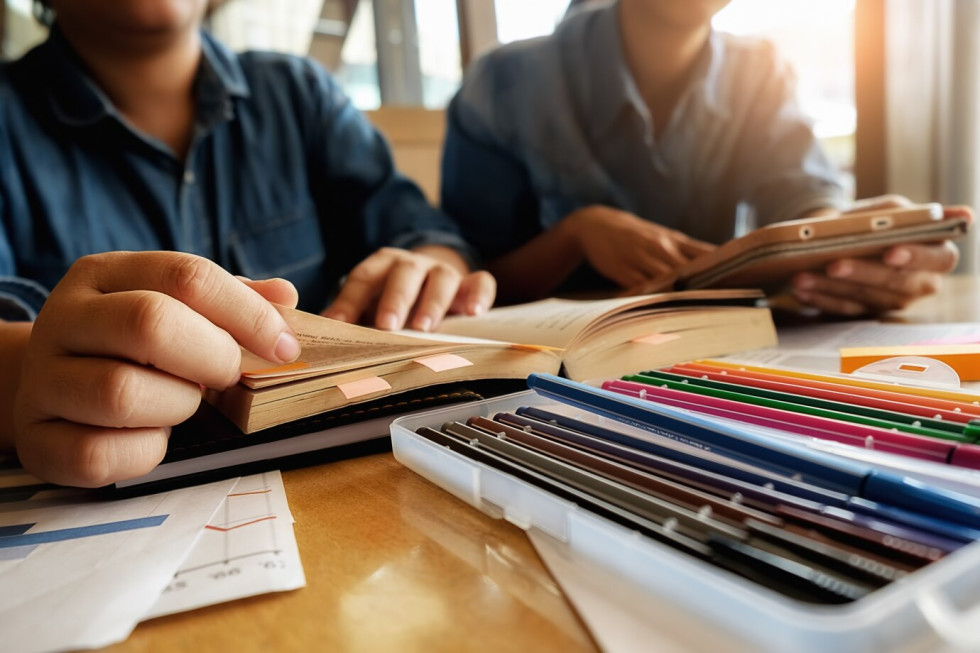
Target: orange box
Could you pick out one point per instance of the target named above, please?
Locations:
(965, 359)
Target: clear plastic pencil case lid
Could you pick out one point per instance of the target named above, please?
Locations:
(932, 608)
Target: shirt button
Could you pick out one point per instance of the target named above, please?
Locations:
(189, 177)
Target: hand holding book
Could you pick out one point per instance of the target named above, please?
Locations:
(839, 245)
(118, 355)
(901, 274)
(626, 249)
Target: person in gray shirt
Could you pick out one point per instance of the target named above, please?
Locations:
(635, 138)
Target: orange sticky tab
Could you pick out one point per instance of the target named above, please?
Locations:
(443, 362)
(534, 347)
(281, 369)
(655, 338)
(363, 387)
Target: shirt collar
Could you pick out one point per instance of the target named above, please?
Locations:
(75, 97)
(77, 100)
(595, 44)
(219, 79)
(224, 68)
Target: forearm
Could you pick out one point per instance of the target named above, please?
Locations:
(13, 342)
(536, 268)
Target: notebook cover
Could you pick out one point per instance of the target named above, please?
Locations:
(208, 432)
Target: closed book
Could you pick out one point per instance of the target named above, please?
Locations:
(768, 256)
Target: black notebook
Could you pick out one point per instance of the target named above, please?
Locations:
(209, 446)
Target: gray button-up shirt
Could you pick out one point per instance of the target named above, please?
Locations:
(546, 126)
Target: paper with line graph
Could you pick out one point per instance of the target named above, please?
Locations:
(78, 571)
(248, 548)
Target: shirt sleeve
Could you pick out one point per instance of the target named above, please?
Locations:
(784, 171)
(381, 207)
(485, 187)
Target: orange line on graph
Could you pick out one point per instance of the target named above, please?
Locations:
(245, 494)
(231, 528)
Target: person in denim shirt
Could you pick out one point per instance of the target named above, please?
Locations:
(632, 140)
(142, 165)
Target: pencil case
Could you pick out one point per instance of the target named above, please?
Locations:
(935, 606)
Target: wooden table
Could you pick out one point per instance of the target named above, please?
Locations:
(394, 563)
(957, 301)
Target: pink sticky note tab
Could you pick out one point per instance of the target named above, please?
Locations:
(443, 362)
(363, 387)
(656, 338)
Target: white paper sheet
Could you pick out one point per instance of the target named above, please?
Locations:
(247, 548)
(816, 347)
(78, 573)
(624, 618)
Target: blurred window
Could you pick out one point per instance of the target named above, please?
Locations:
(525, 19)
(438, 51)
(277, 25)
(21, 31)
(437, 25)
(358, 70)
(817, 37)
(438, 29)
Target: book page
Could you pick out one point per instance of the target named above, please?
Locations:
(559, 322)
(550, 322)
(331, 344)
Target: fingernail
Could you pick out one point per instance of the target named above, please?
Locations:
(804, 281)
(287, 347)
(840, 269)
(477, 309)
(898, 257)
(423, 323)
(387, 321)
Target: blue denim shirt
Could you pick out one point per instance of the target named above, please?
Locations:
(543, 127)
(284, 177)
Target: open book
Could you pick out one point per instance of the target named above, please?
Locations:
(343, 364)
(771, 254)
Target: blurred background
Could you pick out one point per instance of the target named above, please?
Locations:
(891, 85)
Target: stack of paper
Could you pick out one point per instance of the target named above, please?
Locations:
(102, 566)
